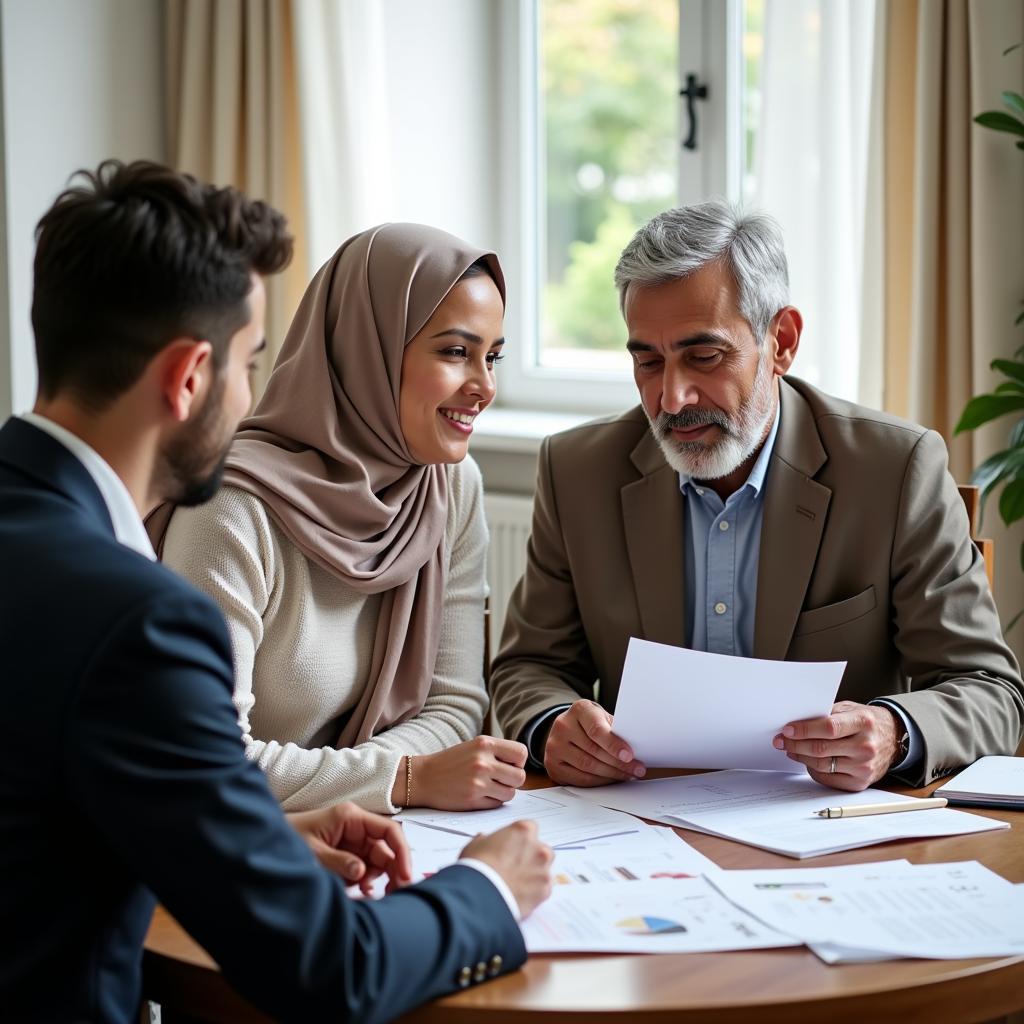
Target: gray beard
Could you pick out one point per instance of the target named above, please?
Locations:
(740, 436)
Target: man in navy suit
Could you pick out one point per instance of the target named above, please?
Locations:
(123, 777)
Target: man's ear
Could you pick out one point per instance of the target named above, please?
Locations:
(185, 373)
(785, 329)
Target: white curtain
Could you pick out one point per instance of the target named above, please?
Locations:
(811, 173)
(343, 100)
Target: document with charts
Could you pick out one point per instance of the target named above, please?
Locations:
(660, 916)
(868, 911)
(776, 811)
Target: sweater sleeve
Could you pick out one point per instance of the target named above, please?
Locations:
(229, 553)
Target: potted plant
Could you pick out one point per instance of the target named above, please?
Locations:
(1006, 467)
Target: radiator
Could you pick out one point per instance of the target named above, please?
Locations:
(508, 519)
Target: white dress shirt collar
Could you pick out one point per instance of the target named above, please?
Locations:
(128, 528)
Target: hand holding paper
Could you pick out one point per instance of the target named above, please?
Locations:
(688, 709)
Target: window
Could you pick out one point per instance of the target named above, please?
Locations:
(595, 126)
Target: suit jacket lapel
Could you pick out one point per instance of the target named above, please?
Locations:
(652, 510)
(795, 507)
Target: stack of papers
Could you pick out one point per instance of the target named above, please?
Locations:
(776, 811)
(866, 912)
(995, 781)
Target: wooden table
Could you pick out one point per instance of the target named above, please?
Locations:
(766, 986)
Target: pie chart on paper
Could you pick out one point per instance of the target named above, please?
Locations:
(649, 926)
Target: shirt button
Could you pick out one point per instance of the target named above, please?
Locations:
(494, 967)
(724, 525)
(464, 977)
(720, 608)
(481, 972)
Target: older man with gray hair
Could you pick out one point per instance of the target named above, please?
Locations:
(742, 511)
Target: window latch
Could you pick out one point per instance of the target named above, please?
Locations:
(692, 92)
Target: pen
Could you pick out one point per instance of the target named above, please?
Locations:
(858, 809)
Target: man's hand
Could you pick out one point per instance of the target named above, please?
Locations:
(520, 858)
(356, 845)
(582, 750)
(862, 738)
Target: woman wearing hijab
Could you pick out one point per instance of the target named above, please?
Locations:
(347, 547)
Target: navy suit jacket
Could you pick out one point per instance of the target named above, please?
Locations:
(123, 780)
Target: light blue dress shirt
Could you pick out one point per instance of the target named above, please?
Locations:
(722, 546)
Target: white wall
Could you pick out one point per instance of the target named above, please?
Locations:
(81, 80)
(442, 87)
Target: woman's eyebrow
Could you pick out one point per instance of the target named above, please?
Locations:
(468, 335)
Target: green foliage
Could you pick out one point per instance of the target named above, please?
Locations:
(583, 309)
(1005, 468)
(610, 84)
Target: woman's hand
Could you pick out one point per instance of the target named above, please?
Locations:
(475, 775)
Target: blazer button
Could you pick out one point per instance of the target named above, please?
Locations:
(494, 967)
(481, 971)
(465, 976)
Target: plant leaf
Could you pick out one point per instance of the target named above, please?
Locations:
(1020, 145)
(1013, 622)
(1010, 49)
(1014, 101)
(1011, 502)
(1020, 316)
(1009, 368)
(1000, 122)
(1017, 435)
(993, 471)
(983, 408)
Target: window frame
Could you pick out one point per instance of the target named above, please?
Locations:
(706, 28)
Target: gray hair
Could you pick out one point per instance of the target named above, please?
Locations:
(679, 242)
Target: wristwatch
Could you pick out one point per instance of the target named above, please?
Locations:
(902, 747)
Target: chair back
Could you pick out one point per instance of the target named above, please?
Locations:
(971, 496)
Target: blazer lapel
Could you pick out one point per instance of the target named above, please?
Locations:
(652, 511)
(795, 507)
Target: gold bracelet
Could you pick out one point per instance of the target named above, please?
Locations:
(408, 780)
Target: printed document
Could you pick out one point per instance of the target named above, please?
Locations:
(939, 911)
(562, 819)
(776, 811)
(689, 709)
(661, 916)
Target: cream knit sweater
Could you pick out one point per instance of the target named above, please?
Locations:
(302, 643)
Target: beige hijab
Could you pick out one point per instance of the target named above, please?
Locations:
(324, 451)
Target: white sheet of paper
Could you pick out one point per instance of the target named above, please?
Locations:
(688, 709)
(939, 911)
(656, 916)
(776, 811)
(649, 852)
(562, 819)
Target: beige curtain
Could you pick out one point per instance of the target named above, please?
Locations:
(953, 229)
(233, 119)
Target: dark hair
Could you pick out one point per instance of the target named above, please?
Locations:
(135, 256)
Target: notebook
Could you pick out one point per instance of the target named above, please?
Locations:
(996, 781)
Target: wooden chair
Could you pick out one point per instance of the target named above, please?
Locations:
(972, 499)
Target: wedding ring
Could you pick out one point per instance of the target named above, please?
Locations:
(832, 767)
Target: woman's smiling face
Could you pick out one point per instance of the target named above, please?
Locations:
(448, 371)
